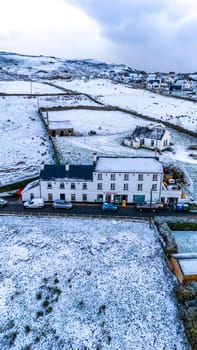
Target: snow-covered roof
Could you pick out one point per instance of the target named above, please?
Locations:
(31, 185)
(181, 81)
(149, 132)
(58, 171)
(130, 165)
(60, 124)
(187, 263)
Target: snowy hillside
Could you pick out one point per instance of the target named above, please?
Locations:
(15, 66)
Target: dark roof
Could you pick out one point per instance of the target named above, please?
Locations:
(152, 81)
(58, 171)
(148, 133)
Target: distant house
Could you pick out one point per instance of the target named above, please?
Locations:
(60, 128)
(181, 85)
(185, 266)
(152, 137)
(153, 83)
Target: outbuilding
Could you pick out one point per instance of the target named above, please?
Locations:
(60, 128)
(185, 266)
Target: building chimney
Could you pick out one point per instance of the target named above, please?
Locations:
(94, 158)
(67, 166)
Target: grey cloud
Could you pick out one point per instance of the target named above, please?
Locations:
(148, 34)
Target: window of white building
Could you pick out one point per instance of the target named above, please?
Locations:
(140, 187)
(50, 196)
(113, 186)
(73, 197)
(125, 187)
(155, 177)
(126, 177)
(99, 186)
(140, 177)
(84, 186)
(84, 197)
(99, 198)
(154, 187)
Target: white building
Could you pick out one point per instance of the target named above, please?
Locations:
(107, 179)
(154, 137)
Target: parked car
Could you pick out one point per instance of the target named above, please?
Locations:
(109, 207)
(34, 203)
(3, 202)
(147, 206)
(62, 204)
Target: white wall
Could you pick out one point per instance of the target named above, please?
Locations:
(158, 143)
(92, 187)
(34, 191)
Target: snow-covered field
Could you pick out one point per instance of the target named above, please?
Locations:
(24, 141)
(64, 101)
(26, 87)
(103, 122)
(85, 284)
(162, 108)
(186, 241)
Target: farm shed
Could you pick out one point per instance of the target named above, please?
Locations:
(185, 266)
(60, 128)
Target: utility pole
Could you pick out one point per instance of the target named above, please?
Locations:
(156, 146)
(37, 103)
(151, 198)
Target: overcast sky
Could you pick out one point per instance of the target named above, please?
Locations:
(154, 35)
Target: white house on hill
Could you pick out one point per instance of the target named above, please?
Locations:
(154, 137)
(107, 179)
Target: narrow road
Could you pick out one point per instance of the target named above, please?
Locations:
(15, 207)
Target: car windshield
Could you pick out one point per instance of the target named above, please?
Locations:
(61, 201)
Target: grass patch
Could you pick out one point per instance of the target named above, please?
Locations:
(39, 296)
(14, 186)
(39, 313)
(183, 226)
(27, 329)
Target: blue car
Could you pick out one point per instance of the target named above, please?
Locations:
(109, 207)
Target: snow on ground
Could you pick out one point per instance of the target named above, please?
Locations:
(85, 284)
(173, 110)
(22, 131)
(24, 142)
(103, 122)
(26, 87)
(186, 241)
(65, 101)
(110, 123)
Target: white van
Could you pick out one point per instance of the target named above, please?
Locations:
(34, 203)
